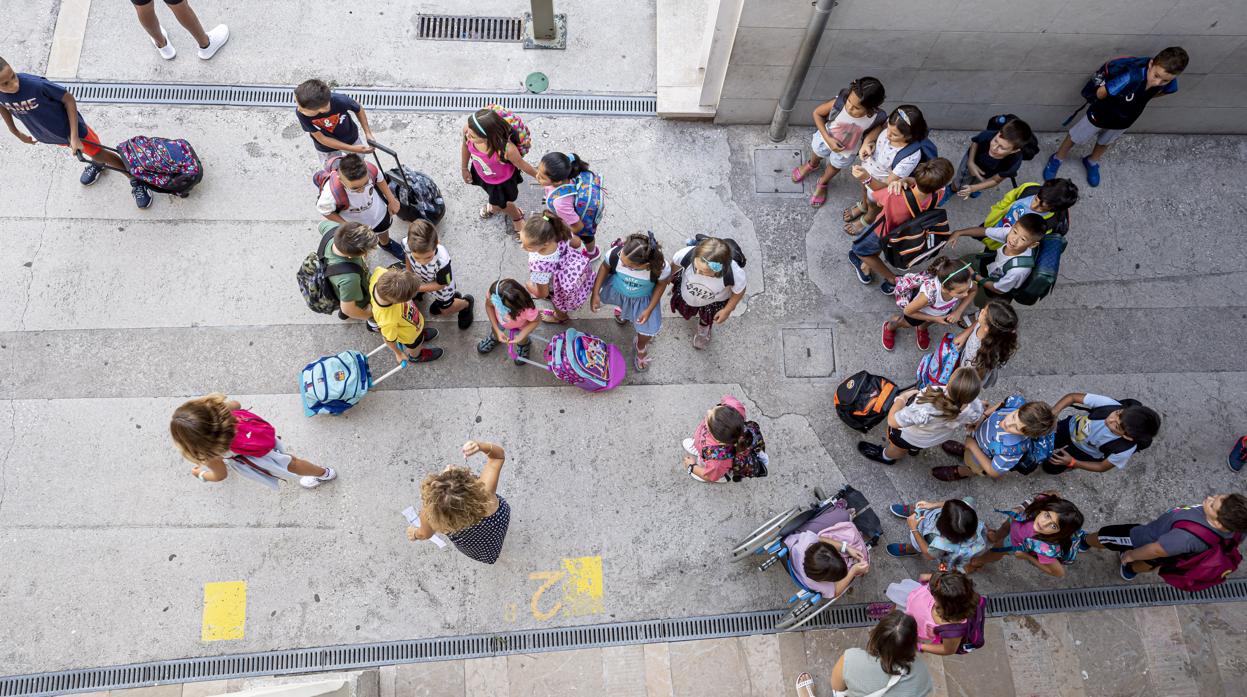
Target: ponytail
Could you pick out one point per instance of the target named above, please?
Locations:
(560, 167)
(546, 227)
(962, 389)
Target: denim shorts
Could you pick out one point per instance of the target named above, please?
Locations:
(868, 243)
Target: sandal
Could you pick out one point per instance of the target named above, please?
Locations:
(819, 197)
(518, 223)
(640, 358)
(848, 215)
(487, 212)
(549, 317)
(806, 683)
(854, 227)
(801, 172)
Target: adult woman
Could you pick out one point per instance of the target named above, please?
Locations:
(466, 508)
(888, 666)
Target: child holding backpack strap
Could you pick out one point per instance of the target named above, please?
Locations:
(1103, 438)
(722, 442)
(1045, 531)
(841, 127)
(949, 532)
(1014, 434)
(573, 193)
(218, 435)
(938, 295)
(512, 317)
(892, 155)
(353, 190)
(634, 278)
(559, 270)
(491, 158)
(709, 282)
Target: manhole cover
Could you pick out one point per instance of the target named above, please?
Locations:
(772, 171)
(808, 353)
(537, 83)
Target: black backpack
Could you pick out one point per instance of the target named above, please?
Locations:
(417, 194)
(1119, 444)
(737, 256)
(863, 400)
(917, 239)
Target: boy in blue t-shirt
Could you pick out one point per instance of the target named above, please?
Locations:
(1001, 440)
(1118, 103)
(51, 115)
(326, 115)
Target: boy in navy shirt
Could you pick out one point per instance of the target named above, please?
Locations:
(994, 155)
(51, 115)
(1119, 102)
(327, 116)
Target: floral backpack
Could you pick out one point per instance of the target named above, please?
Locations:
(1042, 548)
(571, 277)
(748, 462)
(520, 135)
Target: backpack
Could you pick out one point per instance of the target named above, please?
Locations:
(838, 106)
(906, 287)
(737, 256)
(926, 149)
(972, 632)
(1033, 451)
(1022, 261)
(750, 461)
(612, 261)
(863, 400)
(520, 135)
(252, 435)
(1201, 570)
(918, 239)
(417, 194)
(1119, 444)
(1054, 223)
(937, 367)
(167, 166)
(1046, 266)
(587, 188)
(330, 174)
(1112, 68)
(313, 278)
(333, 384)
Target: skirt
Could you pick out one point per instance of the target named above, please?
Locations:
(502, 193)
(631, 308)
(705, 314)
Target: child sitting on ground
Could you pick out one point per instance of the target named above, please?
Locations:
(856, 119)
(1045, 532)
(938, 295)
(948, 532)
(393, 294)
(827, 552)
(1000, 271)
(512, 317)
(1103, 438)
(1010, 432)
(354, 190)
(994, 156)
(926, 418)
(429, 260)
(633, 279)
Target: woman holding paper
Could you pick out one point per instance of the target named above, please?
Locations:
(465, 507)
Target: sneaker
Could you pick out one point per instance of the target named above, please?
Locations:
(887, 288)
(619, 317)
(1093, 172)
(901, 510)
(862, 274)
(900, 549)
(90, 174)
(955, 448)
(1235, 459)
(427, 355)
(216, 39)
(522, 351)
(923, 338)
(948, 474)
(889, 337)
(371, 325)
(167, 51)
(396, 250)
(465, 315)
(313, 482)
(688, 446)
(142, 198)
(487, 344)
(1127, 573)
(430, 333)
(702, 338)
(873, 451)
(1050, 169)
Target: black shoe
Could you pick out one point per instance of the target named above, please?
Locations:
(465, 315)
(521, 350)
(427, 354)
(873, 451)
(430, 333)
(395, 250)
(342, 315)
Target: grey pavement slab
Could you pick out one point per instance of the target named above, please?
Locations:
(27, 33)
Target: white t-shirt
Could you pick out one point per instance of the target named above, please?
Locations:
(433, 272)
(542, 278)
(923, 426)
(937, 305)
(879, 164)
(366, 207)
(849, 130)
(698, 290)
(1013, 277)
(1089, 435)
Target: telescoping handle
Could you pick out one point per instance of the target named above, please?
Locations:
(83, 158)
(529, 361)
(388, 373)
(391, 153)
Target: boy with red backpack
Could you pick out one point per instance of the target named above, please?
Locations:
(1194, 547)
(352, 190)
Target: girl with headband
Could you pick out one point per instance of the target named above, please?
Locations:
(633, 279)
(938, 295)
(491, 160)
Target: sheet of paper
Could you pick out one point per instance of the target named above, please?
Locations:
(413, 518)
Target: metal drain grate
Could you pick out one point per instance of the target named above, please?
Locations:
(466, 28)
(372, 98)
(349, 657)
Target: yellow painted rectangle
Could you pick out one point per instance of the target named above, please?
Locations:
(225, 610)
(582, 587)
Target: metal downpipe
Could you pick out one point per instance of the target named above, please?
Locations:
(800, 66)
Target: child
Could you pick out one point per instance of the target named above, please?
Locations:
(938, 295)
(708, 282)
(1051, 200)
(209, 42)
(1001, 271)
(926, 418)
(948, 532)
(512, 317)
(1044, 532)
(558, 268)
(990, 341)
(355, 191)
(393, 294)
(1103, 438)
(345, 248)
(715, 441)
(560, 175)
(491, 160)
(327, 116)
(218, 435)
(51, 115)
(899, 202)
(1006, 436)
(858, 118)
(945, 599)
(1118, 102)
(882, 164)
(827, 552)
(633, 279)
(429, 260)
(1176, 535)
(993, 156)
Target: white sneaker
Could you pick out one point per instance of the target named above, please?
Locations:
(216, 39)
(168, 51)
(313, 482)
(688, 446)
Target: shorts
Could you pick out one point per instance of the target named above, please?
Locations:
(1084, 132)
(895, 438)
(839, 160)
(324, 155)
(1117, 538)
(964, 177)
(265, 469)
(87, 148)
(415, 344)
(440, 305)
(868, 243)
(1063, 441)
(141, 3)
(914, 322)
(502, 193)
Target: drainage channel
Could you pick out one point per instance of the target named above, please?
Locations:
(275, 96)
(356, 656)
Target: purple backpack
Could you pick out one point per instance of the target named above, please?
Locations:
(972, 631)
(1196, 572)
(163, 165)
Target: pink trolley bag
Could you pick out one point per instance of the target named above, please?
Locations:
(583, 360)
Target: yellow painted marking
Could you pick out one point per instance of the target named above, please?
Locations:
(582, 587)
(550, 578)
(225, 610)
(511, 613)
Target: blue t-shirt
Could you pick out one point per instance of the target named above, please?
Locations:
(1005, 167)
(1020, 207)
(335, 121)
(38, 104)
(1005, 449)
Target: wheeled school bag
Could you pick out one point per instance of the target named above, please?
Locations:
(313, 277)
(520, 135)
(333, 384)
(163, 165)
(582, 360)
(1202, 570)
(863, 400)
(917, 239)
(587, 188)
(1112, 68)
(1042, 278)
(418, 196)
(336, 189)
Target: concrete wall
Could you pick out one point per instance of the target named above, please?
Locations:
(964, 60)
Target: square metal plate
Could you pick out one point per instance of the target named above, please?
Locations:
(772, 171)
(808, 353)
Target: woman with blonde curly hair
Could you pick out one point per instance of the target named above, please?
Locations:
(465, 507)
(218, 435)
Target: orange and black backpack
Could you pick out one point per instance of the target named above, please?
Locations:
(863, 400)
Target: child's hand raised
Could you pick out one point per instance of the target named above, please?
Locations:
(898, 186)
(471, 448)
(866, 150)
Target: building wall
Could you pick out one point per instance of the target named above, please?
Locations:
(963, 60)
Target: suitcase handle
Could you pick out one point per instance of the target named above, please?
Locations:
(377, 146)
(83, 158)
(388, 373)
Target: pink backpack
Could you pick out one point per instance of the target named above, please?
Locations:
(330, 174)
(1196, 572)
(252, 435)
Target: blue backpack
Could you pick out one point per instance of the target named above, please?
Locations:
(1112, 68)
(333, 384)
(587, 188)
(926, 149)
(1033, 450)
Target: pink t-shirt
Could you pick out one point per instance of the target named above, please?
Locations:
(715, 469)
(564, 206)
(520, 321)
(491, 166)
(1018, 532)
(921, 606)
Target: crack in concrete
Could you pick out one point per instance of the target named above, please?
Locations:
(30, 279)
(8, 452)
